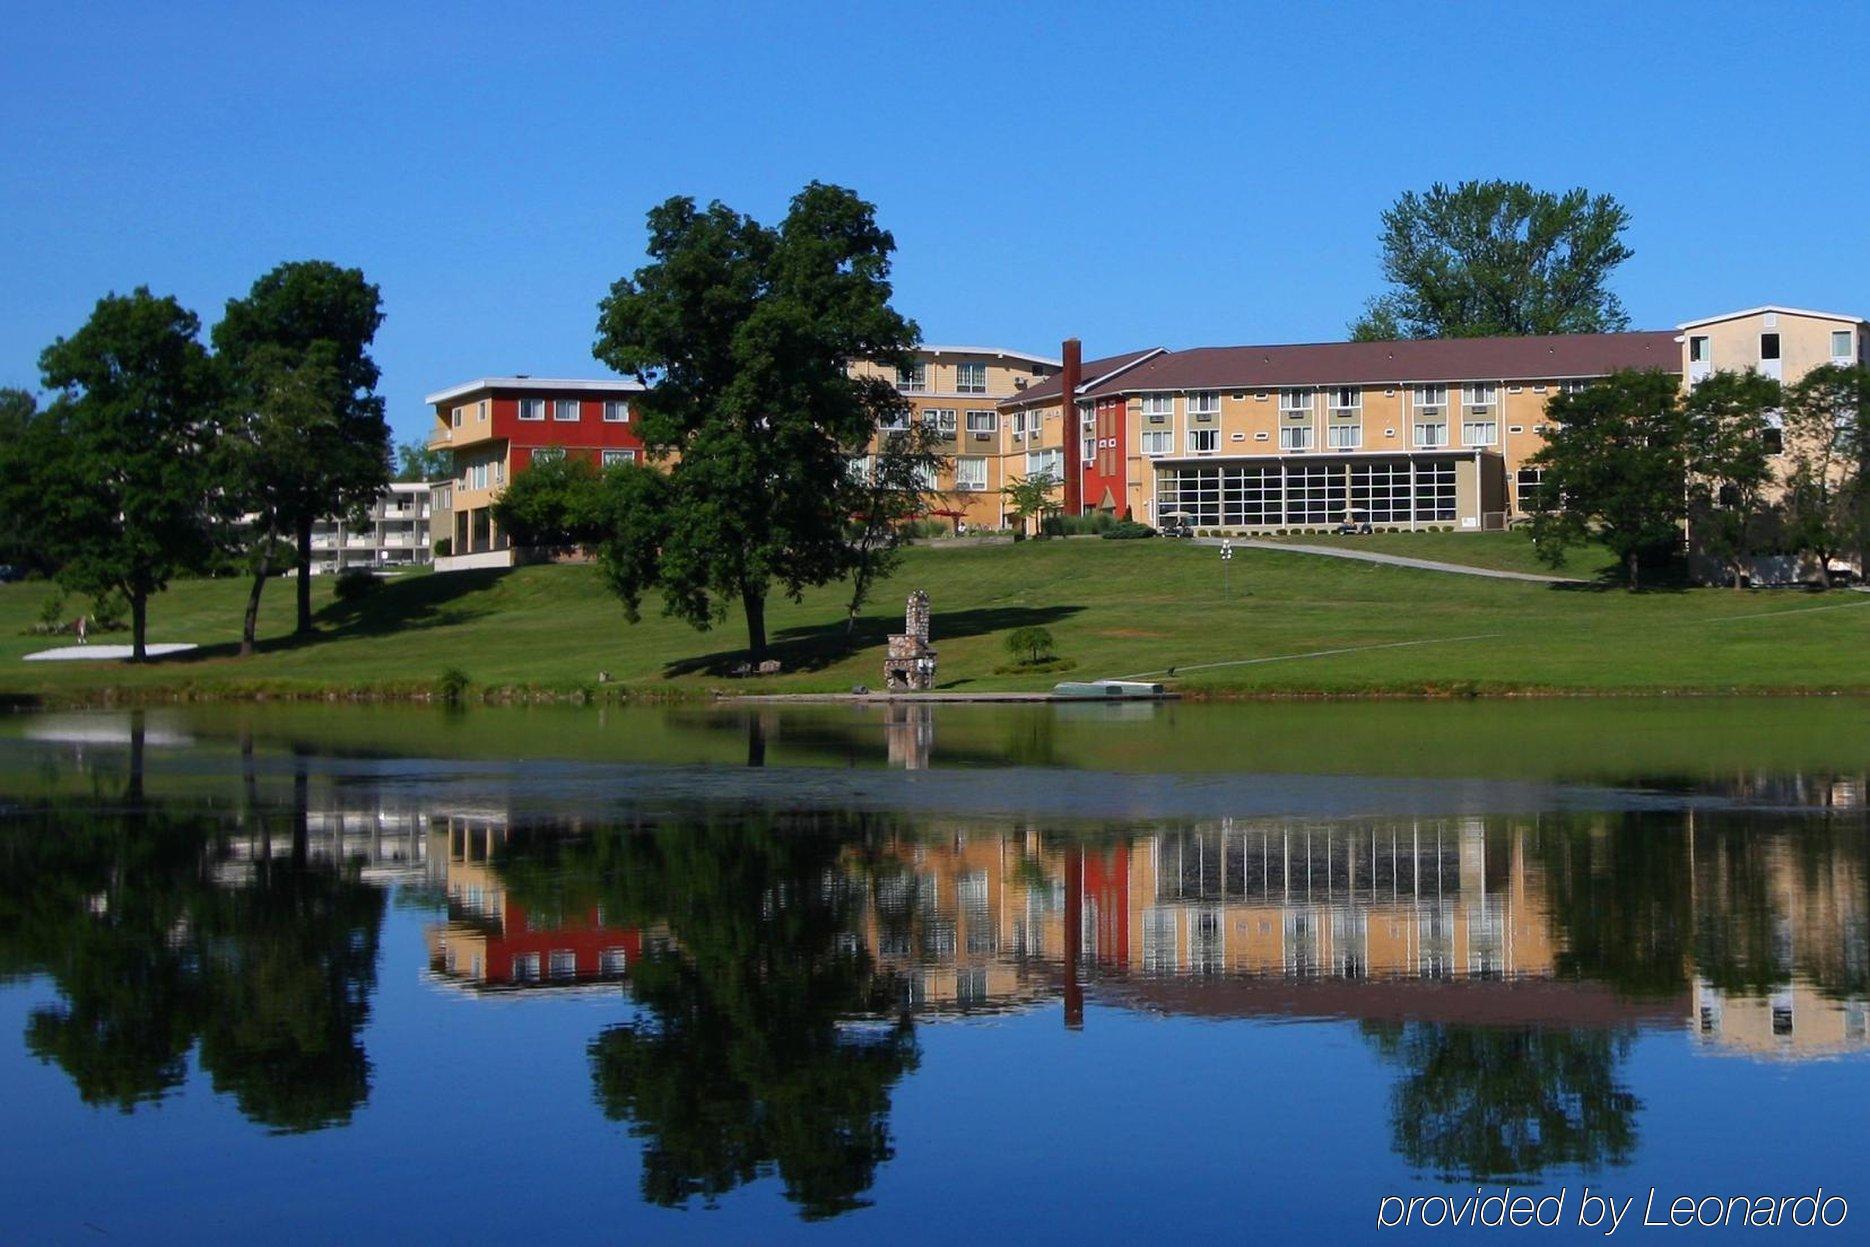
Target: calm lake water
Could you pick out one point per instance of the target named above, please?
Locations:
(1034, 973)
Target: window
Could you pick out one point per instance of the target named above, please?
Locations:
(613, 961)
(549, 454)
(616, 411)
(1295, 402)
(1480, 394)
(1346, 400)
(1432, 396)
(914, 379)
(565, 410)
(1841, 344)
(562, 963)
(525, 967)
(895, 422)
(970, 474)
(456, 417)
(1431, 433)
(857, 467)
(532, 409)
(1203, 441)
(499, 471)
(1158, 442)
(1769, 346)
(1526, 483)
(1773, 437)
(1297, 437)
(1204, 404)
(940, 421)
(1158, 407)
(983, 422)
(1479, 432)
(1699, 348)
(970, 378)
(1345, 436)
(1046, 463)
(1572, 387)
(614, 457)
(925, 477)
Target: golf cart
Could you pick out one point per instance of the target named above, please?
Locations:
(1356, 524)
(1175, 524)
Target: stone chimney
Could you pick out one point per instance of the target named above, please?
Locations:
(1071, 376)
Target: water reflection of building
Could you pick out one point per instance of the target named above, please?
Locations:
(1805, 985)
(386, 840)
(1232, 918)
(491, 942)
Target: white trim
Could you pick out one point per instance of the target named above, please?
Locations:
(1765, 308)
(998, 352)
(611, 386)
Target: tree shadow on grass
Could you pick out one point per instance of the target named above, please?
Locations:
(817, 647)
(399, 605)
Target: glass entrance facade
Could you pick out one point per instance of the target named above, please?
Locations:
(1280, 493)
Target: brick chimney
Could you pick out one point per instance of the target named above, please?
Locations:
(1071, 376)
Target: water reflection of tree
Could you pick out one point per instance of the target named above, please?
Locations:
(151, 955)
(1490, 1104)
(746, 1061)
(1620, 900)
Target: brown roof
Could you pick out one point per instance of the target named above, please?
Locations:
(1094, 370)
(1550, 357)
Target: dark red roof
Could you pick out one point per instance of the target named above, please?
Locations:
(1550, 357)
(1094, 370)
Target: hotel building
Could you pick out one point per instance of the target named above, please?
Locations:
(1401, 435)
(496, 427)
(392, 535)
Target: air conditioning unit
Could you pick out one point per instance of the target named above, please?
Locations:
(982, 437)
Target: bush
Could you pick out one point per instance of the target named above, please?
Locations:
(108, 610)
(452, 685)
(52, 610)
(1127, 530)
(1077, 525)
(1031, 644)
(444, 546)
(353, 585)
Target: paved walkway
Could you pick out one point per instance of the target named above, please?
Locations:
(1394, 560)
(101, 653)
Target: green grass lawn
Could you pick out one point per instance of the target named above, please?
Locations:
(1498, 551)
(1115, 608)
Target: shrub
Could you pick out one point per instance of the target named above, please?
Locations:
(444, 546)
(108, 610)
(1031, 644)
(452, 685)
(354, 584)
(52, 610)
(1127, 530)
(1077, 525)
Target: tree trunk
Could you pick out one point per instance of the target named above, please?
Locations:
(139, 621)
(754, 601)
(305, 575)
(250, 625)
(1631, 562)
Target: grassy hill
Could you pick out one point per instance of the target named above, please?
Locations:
(1292, 625)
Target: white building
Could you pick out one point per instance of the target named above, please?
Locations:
(394, 535)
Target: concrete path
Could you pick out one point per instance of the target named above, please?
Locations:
(103, 653)
(1394, 560)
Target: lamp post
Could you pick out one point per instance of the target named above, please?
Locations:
(1227, 556)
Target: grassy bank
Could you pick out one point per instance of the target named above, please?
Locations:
(1292, 625)
(1496, 551)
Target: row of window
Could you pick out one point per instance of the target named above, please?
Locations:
(570, 410)
(1843, 347)
(1273, 494)
(968, 379)
(562, 963)
(1428, 434)
(1341, 400)
(943, 421)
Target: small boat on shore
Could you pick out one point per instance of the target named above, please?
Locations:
(1109, 690)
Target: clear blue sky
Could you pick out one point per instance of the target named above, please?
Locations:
(1155, 174)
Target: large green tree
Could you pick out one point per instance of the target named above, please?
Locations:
(1616, 468)
(1485, 259)
(891, 489)
(303, 314)
(124, 486)
(554, 504)
(1828, 437)
(24, 445)
(749, 333)
(1729, 427)
(418, 462)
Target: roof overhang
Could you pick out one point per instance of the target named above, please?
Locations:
(608, 385)
(1845, 317)
(996, 352)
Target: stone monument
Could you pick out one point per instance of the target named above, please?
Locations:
(910, 665)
